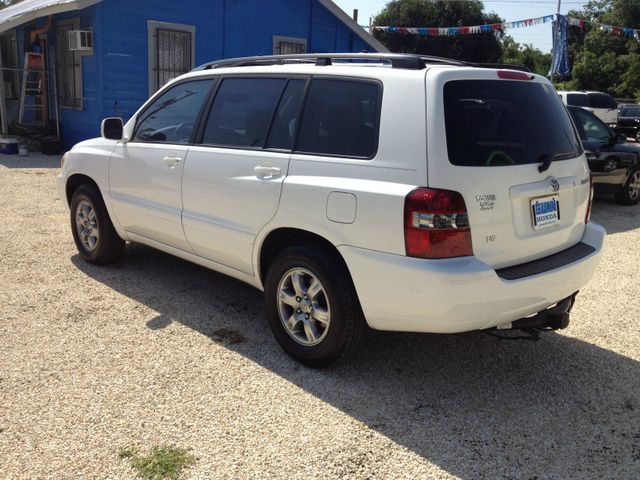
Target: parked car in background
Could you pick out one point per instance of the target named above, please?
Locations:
(406, 193)
(614, 163)
(600, 104)
(629, 121)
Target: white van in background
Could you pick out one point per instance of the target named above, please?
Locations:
(602, 105)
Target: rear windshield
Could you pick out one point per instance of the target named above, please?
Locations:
(578, 99)
(602, 100)
(498, 123)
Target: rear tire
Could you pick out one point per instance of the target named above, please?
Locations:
(96, 239)
(312, 306)
(629, 194)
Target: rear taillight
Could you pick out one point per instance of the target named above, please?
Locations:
(587, 217)
(436, 224)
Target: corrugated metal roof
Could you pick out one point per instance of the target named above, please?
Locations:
(28, 10)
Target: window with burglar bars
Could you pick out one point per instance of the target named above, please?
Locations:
(289, 45)
(171, 52)
(68, 67)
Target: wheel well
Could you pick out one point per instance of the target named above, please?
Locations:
(75, 181)
(283, 238)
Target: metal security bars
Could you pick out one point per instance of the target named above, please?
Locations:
(69, 68)
(173, 54)
(289, 45)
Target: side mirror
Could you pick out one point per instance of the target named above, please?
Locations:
(621, 138)
(112, 128)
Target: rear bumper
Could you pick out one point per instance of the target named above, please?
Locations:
(456, 295)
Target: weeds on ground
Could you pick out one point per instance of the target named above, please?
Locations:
(162, 462)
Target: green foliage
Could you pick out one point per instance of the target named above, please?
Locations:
(162, 462)
(603, 61)
(483, 47)
(516, 54)
(6, 3)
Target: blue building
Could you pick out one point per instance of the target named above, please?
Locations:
(104, 58)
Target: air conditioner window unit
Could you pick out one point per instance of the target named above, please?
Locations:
(80, 40)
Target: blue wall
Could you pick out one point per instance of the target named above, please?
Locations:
(115, 77)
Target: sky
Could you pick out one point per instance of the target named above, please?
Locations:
(509, 10)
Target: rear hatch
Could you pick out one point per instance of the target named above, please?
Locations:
(488, 134)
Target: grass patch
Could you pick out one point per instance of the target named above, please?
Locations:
(162, 462)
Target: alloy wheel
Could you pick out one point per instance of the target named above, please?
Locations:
(303, 306)
(87, 225)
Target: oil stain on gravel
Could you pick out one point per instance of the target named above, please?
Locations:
(229, 336)
(162, 462)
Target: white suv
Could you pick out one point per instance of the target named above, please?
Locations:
(602, 105)
(401, 192)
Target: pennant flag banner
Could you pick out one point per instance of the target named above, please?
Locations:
(452, 31)
(626, 31)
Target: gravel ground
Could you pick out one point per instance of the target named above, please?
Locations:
(95, 359)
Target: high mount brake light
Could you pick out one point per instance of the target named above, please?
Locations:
(514, 75)
(436, 224)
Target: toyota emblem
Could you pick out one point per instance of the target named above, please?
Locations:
(555, 184)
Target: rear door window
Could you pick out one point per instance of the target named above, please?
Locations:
(341, 118)
(498, 123)
(242, 111)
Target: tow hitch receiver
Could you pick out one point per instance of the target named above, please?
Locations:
(553, 318)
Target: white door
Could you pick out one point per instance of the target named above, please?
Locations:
(145, 173)
(232, 180)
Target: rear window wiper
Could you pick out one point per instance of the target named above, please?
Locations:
(547, 158)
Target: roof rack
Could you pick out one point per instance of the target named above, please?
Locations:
(397, 60)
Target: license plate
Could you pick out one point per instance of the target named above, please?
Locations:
(545, 211)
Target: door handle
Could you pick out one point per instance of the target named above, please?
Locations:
(172, 160)
(266, 171)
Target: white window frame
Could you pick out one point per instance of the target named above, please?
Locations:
(77, 58)
(152, 28)
(278, 39)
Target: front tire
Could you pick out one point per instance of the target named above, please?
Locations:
(312, 306)
(629, 194)
(96, 239)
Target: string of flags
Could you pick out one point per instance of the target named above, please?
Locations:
(629, 32)
(452, 31)
(493, 27)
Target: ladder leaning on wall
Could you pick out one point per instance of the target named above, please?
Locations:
(34, 86)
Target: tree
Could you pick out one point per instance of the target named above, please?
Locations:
(604, 61)
(6, 3)
(483, 47)
(531, 57)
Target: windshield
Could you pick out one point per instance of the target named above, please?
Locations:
(498, 122)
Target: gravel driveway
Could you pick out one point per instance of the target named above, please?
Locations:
(139, 353)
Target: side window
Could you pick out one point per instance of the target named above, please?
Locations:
(341, 117)
(172, 116)
(594, 128)
(286, 118)
(242, 111)
(602, 100)
(578, 99)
